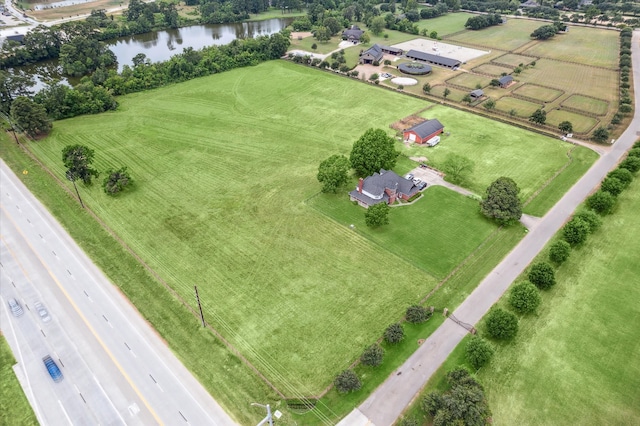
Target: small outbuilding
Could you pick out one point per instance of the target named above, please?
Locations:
(505, 81)
(476, 94)
(423, 132)
(372, 54)
(352, 34)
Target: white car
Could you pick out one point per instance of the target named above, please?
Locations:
(42, 312)
(416, 181)
(409, 176)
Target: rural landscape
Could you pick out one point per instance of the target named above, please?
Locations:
(295, 286)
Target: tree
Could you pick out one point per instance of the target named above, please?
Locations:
(601, 134)
(538, 117)
(601, 202)
(377, 25)
(542, 275)
(612, 185)
(544, 32)
(489, 104)
(314, 46)
(466, 98)
(501, 202)
(524, 297)
(457, 167)
(446, 93)
(426, 88)
(501, 324)
(12, 85)
(377, 215)
(495, 82)
(30, 116)
(322, 34)
(77, 159)
(417, 314)
(333, 173)
(631, 163)
(576, 231)
(478, 352)
(365, 39)
(347, 381)
(394, 333)
(591, 218)
(373, 355)
(559, 252)
(332, 25)
(565, 127)
(116, 181)
(623, 175)
(372, 152)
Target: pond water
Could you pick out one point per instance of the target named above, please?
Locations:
(161, 45)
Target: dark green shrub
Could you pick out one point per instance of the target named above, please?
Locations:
(602, 202)
(631, 163)
(524, 297)
(394, 333)
(623, 175)
(559, 252)
(591, 218)
(576, 231)
(347, 381)
(612, 185)
(373, 355)
(542, 275)
(417, 314)
(478, 352)
(501, 324)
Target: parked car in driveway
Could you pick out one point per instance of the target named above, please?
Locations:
(409, 176)
(15, 307)
(53, 369)
(42, 312)
(422, 185)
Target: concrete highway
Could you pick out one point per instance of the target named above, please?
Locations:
(387, 403)
(116, 369)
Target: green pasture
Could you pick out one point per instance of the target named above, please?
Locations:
(587, 104)
(574, 362)
(581, 123)
(454, 95)
(523, 108)
(514, 59)
(445, 24)
(275, 13)
(570, 47)
(495, 70)
(469, 80)
(543, 94)
(497, 149)
(509, 36)
(222, 166)
(14, 406)
(419, 233)
(574, 78)
(323, 48)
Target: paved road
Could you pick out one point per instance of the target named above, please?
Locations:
(386, 404)
(94, 332)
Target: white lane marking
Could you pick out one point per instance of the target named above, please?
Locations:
(65, 413)
(109, 399)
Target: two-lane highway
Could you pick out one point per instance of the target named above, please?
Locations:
(116, 369)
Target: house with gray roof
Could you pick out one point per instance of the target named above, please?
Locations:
(442, 61)
(505, 81)
(352, 34)
(383, 187)
(372, 54)
(476, 94)
(423, 132)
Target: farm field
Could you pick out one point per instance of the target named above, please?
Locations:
(540, 93)
(445, 24)
(581, 123)
(570, 47)
(14, 406)
(585, 103)
(496, 149)
(509, 36)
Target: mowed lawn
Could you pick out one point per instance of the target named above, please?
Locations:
(14, 406)
(445, 24)
(222, 167)
(421, 233)
(509, 36)
(576, 361)
(497, 149)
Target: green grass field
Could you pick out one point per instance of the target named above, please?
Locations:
(497, 149)
(571, 47)
(470, 80)
(514, 59)
(573, 78)
(581, 123)
(14, 406)
(509, 36)
(222, 167)
(585, 103)
(446, 24)
(522, 108)
(494, 70)
(543, 94)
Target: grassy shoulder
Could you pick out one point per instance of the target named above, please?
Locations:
(572, 361)
(14, 406)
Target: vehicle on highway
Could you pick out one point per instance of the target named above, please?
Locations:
(15, 307)
(53, 369)
(42, 312)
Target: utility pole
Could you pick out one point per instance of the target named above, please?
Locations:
(199, 305)
(269, 418)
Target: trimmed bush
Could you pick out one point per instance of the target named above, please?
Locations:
(347, 381)
(602, 202)
(623, 175)
(373, 355)
(612, 185)
(542, 275)
(502, 325)
(591, 218)
(394, 333)
(631, 163)
(525, 297)
(576, 231)
(478, 352)
(559, 252)
(417, 314)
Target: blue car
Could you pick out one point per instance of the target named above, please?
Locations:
(53, 369)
